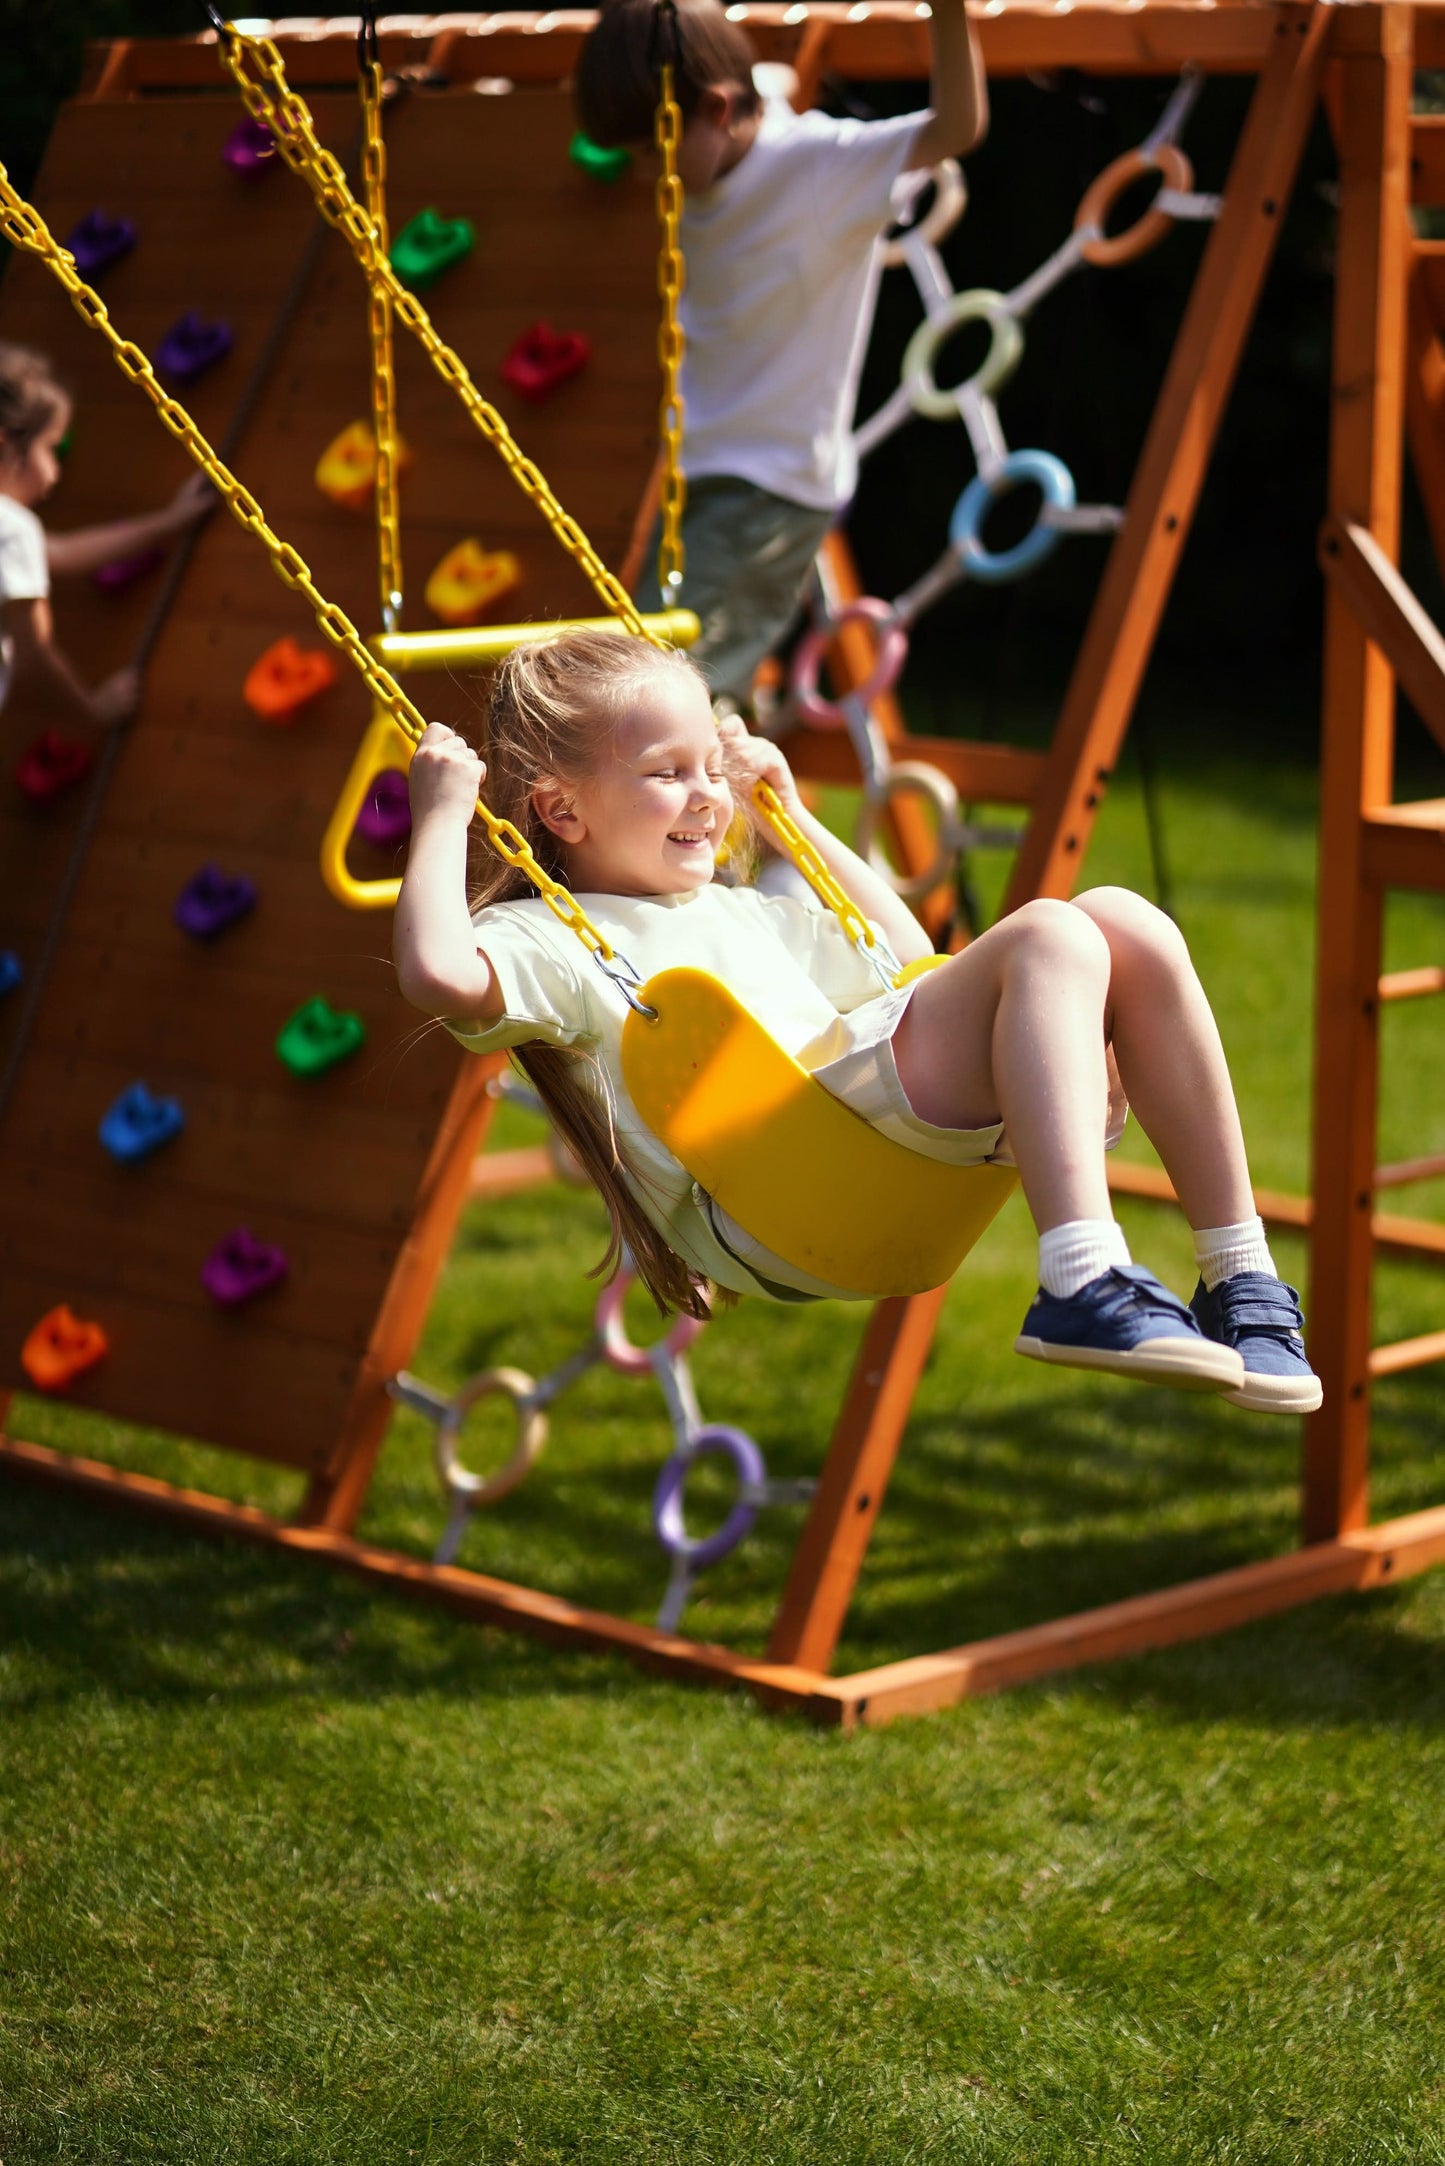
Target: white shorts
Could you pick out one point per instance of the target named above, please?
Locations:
(865, 1078)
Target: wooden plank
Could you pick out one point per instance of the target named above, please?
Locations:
(854, 1480)
(1145, 555)
(1392, 1234)
(1388, 613)
(1412, 984)
(1405, 1172)
(1371, 1557)
(1404, 846)
(1405, 1354)
(982, 774)
(1356, 767)
(467, 1594)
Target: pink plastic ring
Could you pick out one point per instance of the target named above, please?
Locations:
(618, 1350)
(826, 714)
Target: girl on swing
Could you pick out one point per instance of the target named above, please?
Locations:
(605, 753)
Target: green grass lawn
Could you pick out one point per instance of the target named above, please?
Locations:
(290, 1872)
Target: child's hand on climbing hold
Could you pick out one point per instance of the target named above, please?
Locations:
(750, 760)
(446, 775)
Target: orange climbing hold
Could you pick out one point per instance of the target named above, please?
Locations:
(281, 681)
(468, 580)
(346, 470)
(60, 1348)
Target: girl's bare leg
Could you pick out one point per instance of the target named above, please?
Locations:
(1170, 1058)
(1014, 1029)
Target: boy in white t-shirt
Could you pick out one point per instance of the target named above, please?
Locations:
(34, 416)
(782, 217)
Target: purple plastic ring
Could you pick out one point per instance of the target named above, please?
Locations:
(667, 1519)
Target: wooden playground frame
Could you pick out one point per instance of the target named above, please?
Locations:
(1389, 307)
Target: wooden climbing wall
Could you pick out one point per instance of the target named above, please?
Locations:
(352, 1172)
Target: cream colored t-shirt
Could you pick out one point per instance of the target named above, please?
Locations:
(24, 572)
(788, 961)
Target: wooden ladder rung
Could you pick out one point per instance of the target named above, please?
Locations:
(1407, 1354)
(1404, 845)
(1411, 984)
(1406, 1170)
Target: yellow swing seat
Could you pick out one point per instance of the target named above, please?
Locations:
(786, 1159)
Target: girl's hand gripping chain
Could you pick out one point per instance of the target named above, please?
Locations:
(446, 776)
(751, 760)
(438, 964)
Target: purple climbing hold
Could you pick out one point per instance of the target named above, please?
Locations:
(250, 147)
(240, 1267)
(191, 346)
(385, 818)
(211, 900)
(98, 241)
(125, 571)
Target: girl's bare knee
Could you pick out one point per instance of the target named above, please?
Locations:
(1134, 928)
(1058, 932)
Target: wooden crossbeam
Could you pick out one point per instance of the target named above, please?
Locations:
(1388, 613)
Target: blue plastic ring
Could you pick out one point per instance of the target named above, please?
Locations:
(994, 568)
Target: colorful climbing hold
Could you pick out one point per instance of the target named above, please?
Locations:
(543, 359)
(385, 816)
(285, 678)
(346, 470)
(429, 244)
(12, 971)
(211, 900)
(191, 346)
(98, 241)
(250, 148)
(50, 765)
(317, 1036)
(125, 571)
(600, 164)
(468, 580)
(139, 1122)
(61, 1347)
(239, 1267)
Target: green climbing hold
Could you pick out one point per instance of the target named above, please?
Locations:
(317, 1036)
(603, 165)
(430, 244)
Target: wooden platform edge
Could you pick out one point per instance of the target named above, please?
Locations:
(922, 1684)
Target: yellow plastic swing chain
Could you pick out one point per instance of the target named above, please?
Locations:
(383, 368)
(22, 225)
(256, 66)
(670, 339)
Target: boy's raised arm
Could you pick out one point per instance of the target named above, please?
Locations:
(958, 92)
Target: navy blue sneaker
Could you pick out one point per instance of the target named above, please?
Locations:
(1126, 1322)
(1260, 1318)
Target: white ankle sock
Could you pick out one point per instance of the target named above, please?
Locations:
(1222, 1252)
(1083, 1249)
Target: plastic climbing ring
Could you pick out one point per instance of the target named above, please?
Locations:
(667, 1520)
(1175, 173)
(516, 1386)
(916, 778)
(826, 714)
(994, 568)
(1006, 345)
(618, 1350)
(950, 200)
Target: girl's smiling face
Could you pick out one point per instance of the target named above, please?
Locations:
(29, 475)
(651, 819)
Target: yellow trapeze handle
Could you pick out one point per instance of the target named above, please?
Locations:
(788, 1161)
(385, 745)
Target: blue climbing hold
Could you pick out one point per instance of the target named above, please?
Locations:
(11, 971)
(139, 1123)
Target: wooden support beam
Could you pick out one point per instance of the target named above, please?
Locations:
(1407, 1354)
(1425, 382)
(982, 774)
(854, 1479)
(1427, 158)
(1404, 846)
(1356, 763)
(1412, 1239)
(1411, 984)
(510, 1173)
(1146, 552)
(1388, 613)
(1407, 1171)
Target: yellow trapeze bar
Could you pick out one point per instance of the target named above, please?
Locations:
(483, 643)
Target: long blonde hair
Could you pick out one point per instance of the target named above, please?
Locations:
(554, 711)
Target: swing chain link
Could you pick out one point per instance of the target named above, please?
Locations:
(379, 327)
(23, 226)
(256, 67)
(671, 342)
